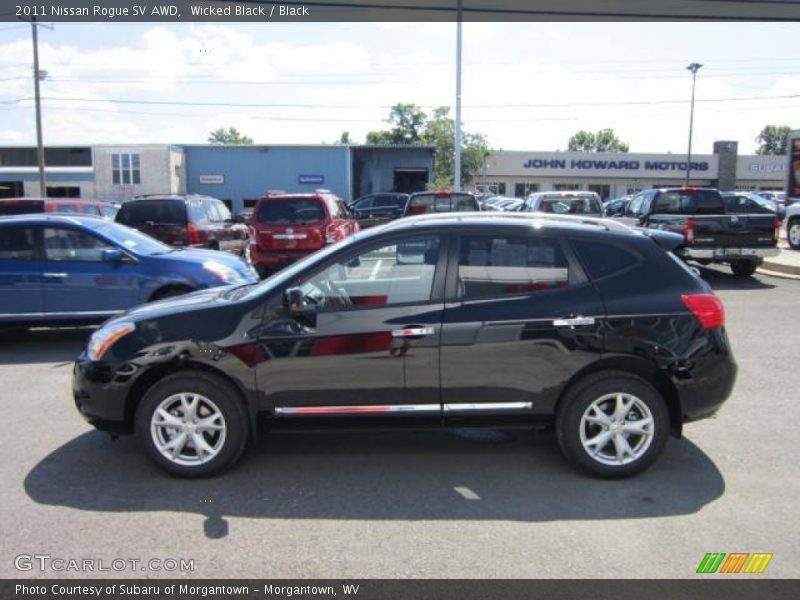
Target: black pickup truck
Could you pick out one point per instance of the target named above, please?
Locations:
(711, 234)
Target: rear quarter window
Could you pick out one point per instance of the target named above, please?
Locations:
(689, 202)
(602, 259)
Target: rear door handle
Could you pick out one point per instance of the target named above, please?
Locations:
(572, 322)
(56, 275)
(412, 332)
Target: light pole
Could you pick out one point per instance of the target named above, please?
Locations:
(694, 67)
(457, 158)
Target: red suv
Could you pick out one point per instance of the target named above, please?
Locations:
(287, 227)
(185, 220)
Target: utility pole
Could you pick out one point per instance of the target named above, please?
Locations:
(457, 179)
(37, 77)
(694, 67)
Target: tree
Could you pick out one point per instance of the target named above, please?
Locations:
(773, 139)
(345, 138)
(440, 132)
(408, 121)
(228, 136)
(604, 140)
(412, 126)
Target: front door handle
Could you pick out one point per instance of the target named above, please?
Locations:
(412, 332)
(56, 275)
(572, 322)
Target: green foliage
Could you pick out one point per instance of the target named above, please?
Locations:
(604, 140)
(773, 139)
(344, 138)
(412, 126)
(228, 136)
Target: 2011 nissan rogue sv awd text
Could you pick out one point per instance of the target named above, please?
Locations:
(584, 325)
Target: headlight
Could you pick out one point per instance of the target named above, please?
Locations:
(225, 274)
(104, 338)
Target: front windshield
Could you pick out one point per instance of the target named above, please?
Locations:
(132, 240)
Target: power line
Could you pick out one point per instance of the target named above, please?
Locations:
(363, 106)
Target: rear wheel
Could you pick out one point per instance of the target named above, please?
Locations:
(744, 268)
(612, 425)
(793, 233)
(192, 424)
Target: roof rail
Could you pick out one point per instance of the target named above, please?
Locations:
(607, 224)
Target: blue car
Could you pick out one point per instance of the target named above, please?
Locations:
(56, 269)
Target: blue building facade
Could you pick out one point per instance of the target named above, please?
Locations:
(240, 175)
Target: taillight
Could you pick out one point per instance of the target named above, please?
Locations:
(193, 233)
(707, 308)
(688, 231)
(777, 229)
(333, 234)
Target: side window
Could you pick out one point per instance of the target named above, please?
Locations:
(635, 206)
(224, 211)
(16, 243)
(509, 265)
(71, 244)
(392, 273)
(198, 212)
(364, 205)
(66, 208)
(89, 209)
(213, 212)
(602, 259)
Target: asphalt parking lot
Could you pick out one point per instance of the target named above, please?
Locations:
(412, 504)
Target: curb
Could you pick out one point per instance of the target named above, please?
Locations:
(780, 269)
(778, 274)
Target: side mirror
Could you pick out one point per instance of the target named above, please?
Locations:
(113, 255)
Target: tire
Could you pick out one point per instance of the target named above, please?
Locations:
(187, 399)
(578, 423)
(744, 268)
(793, 233)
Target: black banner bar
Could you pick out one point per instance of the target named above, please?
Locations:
(263, 11)
(733, 588)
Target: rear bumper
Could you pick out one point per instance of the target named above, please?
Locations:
(711, 380)
(274, 259)
(722, 254)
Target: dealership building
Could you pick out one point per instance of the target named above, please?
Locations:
(240, 175)
(614, 174)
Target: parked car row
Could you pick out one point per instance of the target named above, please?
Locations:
(70, 206)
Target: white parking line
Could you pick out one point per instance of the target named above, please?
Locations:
(467, 493)
(375, 269)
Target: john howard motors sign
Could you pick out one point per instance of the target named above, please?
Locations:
(614, 165)
(600, 165)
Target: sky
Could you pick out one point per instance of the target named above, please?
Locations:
(526, 86)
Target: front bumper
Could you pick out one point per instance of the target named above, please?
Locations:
(722, 254)
(99, 391)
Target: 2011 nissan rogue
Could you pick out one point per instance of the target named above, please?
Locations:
(459, 319)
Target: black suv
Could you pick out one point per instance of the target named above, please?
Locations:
(584, 325)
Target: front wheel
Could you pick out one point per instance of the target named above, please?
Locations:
(793, 233)
(612, 425)
(744, 268)
(192, 424)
